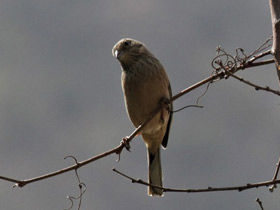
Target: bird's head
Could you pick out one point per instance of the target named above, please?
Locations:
(128, 50)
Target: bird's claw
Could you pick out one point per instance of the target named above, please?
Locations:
(164, 102)
(126, 144)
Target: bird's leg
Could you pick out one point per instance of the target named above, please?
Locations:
(164, 102)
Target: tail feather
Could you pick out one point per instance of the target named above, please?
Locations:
(155, 174)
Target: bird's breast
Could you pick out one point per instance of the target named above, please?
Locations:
(143, 91)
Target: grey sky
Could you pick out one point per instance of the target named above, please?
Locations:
(60, 95)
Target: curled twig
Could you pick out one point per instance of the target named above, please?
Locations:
(241, 60)
(224, 59)
(188, 106)
(230, 64)
(197, 100)
(72, 198)
(199, 97)
(82, 187)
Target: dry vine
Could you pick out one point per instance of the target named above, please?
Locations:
(82, 187)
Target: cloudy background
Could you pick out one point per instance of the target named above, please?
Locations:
(60, 95)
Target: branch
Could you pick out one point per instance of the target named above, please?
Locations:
(257, 87)
(218, 75)
(208, 189)
(275, 19)
(22, 183)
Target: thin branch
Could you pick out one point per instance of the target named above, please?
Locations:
(231, 64)
(199, 97)
(22, 183)
(271, 189)
(188, 106)
(260, 203)
(10, 180)
(124, 144)
(81, 186)
(208, 189)
(263, 47)
(275, 20)
(261, 63)
(277, 170)
(257, 87)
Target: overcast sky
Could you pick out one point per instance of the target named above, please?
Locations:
(60, 95)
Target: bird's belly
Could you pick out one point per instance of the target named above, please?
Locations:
(141, 104)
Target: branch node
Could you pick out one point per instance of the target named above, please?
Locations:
(125, 143)
(19, 184)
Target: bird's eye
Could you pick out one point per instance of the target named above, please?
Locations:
(127, 43)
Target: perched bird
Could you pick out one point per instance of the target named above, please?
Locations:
(145, 85)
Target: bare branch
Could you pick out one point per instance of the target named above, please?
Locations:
(257, 87)
(275, 19)
(231, 66)
(208, 189)
(82, 187)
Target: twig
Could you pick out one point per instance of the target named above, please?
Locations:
(199, 97)
(231, 64)
(254, 58)
(271, 189)
(260, 203)
(257, 87)
(262, 47)
(208, 189)
(81, 185)
(188, 106)
(275, 20)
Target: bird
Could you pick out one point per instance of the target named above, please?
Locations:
(146, 86)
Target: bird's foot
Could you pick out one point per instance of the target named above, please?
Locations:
(125, 143)
(164, 102)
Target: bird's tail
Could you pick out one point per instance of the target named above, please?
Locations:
(155, 173)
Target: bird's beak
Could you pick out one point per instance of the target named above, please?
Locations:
(118, 53)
